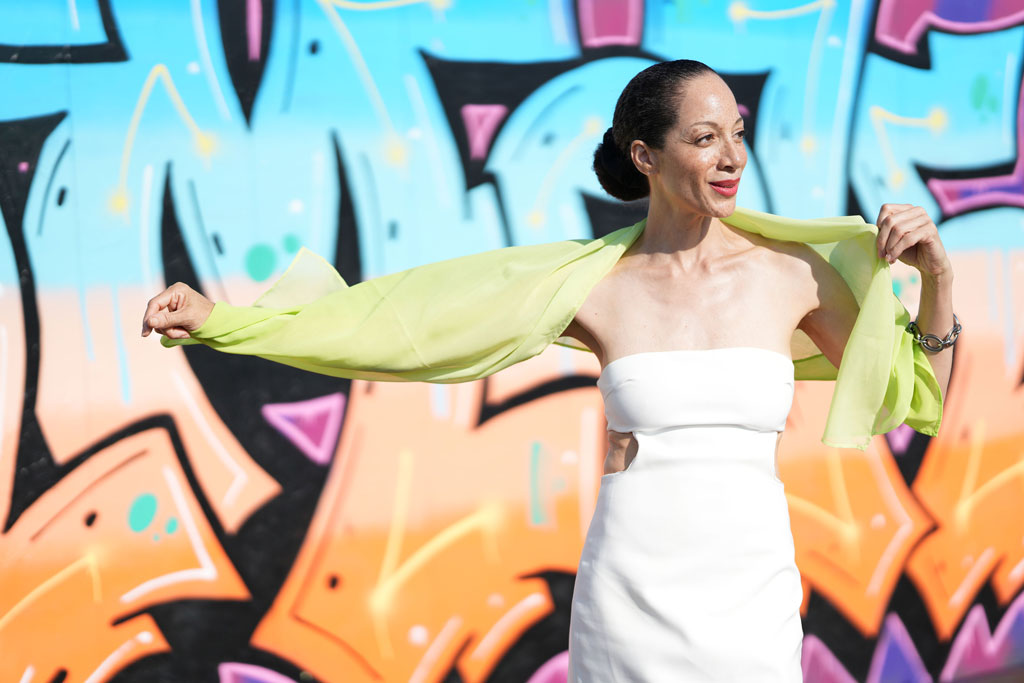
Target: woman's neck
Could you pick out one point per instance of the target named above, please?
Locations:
(686, 236)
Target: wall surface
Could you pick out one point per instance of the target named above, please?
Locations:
(188, 516)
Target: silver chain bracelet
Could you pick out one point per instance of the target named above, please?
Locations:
(934, 343)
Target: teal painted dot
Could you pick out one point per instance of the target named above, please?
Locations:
(897, 287)
(979, 91)
(171, 526)
(259, 262)
(913, 278)
(292, 243)
(142, 512)
(156, 537)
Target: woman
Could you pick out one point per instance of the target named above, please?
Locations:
(687, 572)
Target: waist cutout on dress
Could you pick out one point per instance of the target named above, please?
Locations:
(748, 387)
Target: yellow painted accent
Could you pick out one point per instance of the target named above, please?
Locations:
(739, 11)
(54, 580)
(395, 152)
(119, 202)
(592, 127)
(390, 4)
(936, 121)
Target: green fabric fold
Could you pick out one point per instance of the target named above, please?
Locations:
(465, 318)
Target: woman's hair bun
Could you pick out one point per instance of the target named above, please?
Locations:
(616, 171)
(646, 110)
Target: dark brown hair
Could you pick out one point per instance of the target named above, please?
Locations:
(646, 110)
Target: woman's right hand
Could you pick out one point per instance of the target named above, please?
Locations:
(176, 311)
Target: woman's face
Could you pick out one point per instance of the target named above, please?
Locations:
(699, 166)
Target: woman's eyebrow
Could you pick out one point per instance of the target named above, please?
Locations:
(712, 123)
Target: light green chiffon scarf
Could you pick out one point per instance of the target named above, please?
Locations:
(469, 317)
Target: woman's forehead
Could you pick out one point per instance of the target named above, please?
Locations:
(707, 99)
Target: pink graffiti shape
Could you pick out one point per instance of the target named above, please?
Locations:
(236, 672)
(610, 22)
(254, 27)
(957, 196)
(899, 439)
(313, 425)
(555, 670)
(22, 167)
(482, 120)
(820, 665)
(901, 23)
(896, 658)
(976, 651)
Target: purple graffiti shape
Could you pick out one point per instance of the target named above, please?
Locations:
(899, 439)
(236, 672)
(555, 670)
(481, 121)
(976, 651)
(820, 665)
(313, 425)
(901, 23)
(610, 22)
(253, 28)
(896, 658)
(956, 196)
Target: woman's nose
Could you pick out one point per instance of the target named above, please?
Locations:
(733, 155)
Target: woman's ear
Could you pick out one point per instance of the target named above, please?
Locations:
(644, 158)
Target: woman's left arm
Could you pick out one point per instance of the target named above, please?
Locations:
(906, 233)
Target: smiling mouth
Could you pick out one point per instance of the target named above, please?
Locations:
(726, 187)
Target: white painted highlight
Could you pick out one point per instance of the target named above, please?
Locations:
(145, 223)
(436, 649)
(835, 176)
(204, 56)
(973, 577)
(440, 401)
(1009, 103)
(508, 621)
(27, 676)
(556, 19)
(418, 635)
(105, 668)
(3, 382)
(206, 571)
(73, 12)
(319, 182)
(419, 108)
(904, 529)
(238, 483)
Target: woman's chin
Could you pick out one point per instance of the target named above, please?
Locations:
(722, 207)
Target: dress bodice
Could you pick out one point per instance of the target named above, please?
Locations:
(748, 387)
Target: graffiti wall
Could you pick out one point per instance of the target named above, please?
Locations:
(179, 515)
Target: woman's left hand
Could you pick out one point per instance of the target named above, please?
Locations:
(906, 233)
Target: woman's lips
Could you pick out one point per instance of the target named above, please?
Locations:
(726, 187)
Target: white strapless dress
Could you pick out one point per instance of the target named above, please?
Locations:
(687, 572)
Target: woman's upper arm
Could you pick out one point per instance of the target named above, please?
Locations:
(833, 309)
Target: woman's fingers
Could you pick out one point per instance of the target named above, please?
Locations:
(906, 234)
(908, 240)
(162, 320)
(893, 218)
(175, 333)
(170, 310)
(156, 304)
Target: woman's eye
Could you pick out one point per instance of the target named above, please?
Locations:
(706, 138)
(741, 133)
